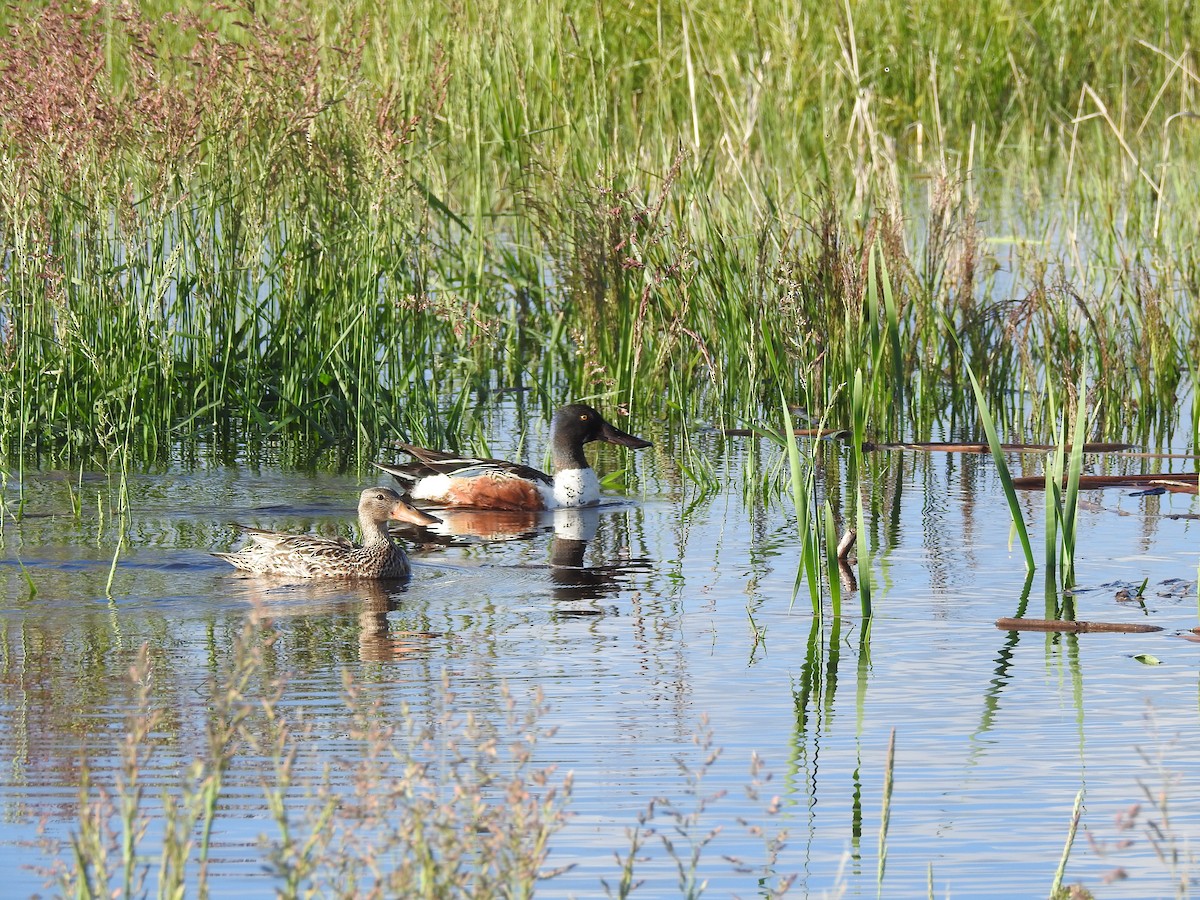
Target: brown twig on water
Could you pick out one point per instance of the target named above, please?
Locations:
(1071, 625)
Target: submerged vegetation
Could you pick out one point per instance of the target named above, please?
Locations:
(277, 225)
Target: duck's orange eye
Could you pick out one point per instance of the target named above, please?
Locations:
(583, 417)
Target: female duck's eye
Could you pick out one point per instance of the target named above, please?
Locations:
(583, 417)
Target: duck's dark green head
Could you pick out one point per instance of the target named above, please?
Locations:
(577, 424)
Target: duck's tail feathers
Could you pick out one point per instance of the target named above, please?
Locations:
(404, 474)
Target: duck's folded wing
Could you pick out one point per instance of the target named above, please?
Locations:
(296, 543)
(435, 462)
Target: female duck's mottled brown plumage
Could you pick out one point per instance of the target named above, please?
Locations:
(309, 556)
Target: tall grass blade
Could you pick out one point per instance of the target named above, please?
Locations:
(858, 406)
(893, 320)
(801, 480)
(1056, 885)
(993, 439)
(1071, 495)
(832, 568)
(885, 812)
(1195, 409)
(1055, 467)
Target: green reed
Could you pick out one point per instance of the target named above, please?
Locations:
(1195, 410)
(1002, 472)
(1063, 469)
(860, 516)
(829, 538)
(1077, 811)
(802, 481)
(876, 398)
(885, 811)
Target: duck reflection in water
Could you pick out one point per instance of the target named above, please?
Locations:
(377, 641)
(579, 586)
(372, 601)
(464, 527)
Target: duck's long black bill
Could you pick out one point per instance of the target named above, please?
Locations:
(617, 436)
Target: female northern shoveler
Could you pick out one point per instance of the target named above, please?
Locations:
(309, 556)
(448, 480)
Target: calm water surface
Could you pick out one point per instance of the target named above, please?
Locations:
(644, 623)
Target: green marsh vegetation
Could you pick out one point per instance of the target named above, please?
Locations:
(295, 232)
(307, 230)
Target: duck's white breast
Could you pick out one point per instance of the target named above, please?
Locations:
(576, 487)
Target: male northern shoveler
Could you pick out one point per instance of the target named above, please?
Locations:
(448, 480)
(309, 556)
